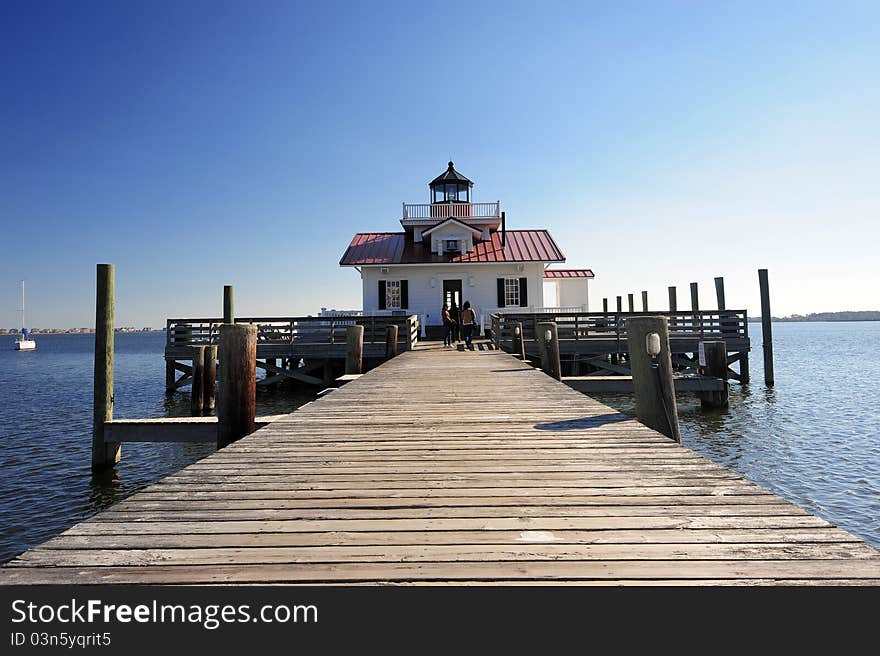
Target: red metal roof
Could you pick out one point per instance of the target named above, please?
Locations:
(569, 273)
(387, 248)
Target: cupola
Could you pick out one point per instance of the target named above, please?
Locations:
(450, 187)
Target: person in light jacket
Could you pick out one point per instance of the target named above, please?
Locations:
(468, 322)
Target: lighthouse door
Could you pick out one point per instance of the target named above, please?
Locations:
(452, 292)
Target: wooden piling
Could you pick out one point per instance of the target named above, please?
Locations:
(228, 305)
(354, 351)
(719, 293)
(391, 341)
(619, 304)
(631, 302)
(605, 306)
(644, 301)
(766, 327)
(653, 386)
(550, 363)
(170, 376)
(519, 340)
(715, 353)
(104, 454)
(237, 394)
(209, 374)
(197, 397)
(673, 299)
(695, 297)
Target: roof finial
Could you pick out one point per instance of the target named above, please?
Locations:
(450, 164)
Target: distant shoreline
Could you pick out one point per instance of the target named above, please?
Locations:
(851, 315)
(77, 331)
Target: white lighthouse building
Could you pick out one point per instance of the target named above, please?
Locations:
(455, 250)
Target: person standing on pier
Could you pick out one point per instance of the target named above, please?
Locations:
(468, 321)
(455, 315)
(447, 327)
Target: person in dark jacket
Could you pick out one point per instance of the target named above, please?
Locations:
(447, 327)
(455, 315)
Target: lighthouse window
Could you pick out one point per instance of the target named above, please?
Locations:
(392, 294)
(511, 291)
(451, 192)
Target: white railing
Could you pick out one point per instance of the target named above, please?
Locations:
(456, 210)
(486, 315)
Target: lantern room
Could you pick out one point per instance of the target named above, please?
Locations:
(450, 187)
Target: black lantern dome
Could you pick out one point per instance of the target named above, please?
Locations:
(450, 187)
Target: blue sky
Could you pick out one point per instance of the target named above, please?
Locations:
(202, 144)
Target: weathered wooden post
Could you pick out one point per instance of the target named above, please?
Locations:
(605, 306)
(548, 340)
(170, 376)
(197, 398)
(237, 397)
(651, 365)
(228, 305)
(631, 302)
(619, 304)
(719, 293)
(354, 350)
(673, 299)
(391, 341)
(766, 327)
(104, 454)
(519, 340)
(715, 353)
(209, 374)
(644, 301)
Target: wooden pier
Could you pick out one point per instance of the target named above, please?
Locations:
(598, 340)
(442, 466)
(283, 342)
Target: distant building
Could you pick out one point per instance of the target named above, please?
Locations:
(454, 250)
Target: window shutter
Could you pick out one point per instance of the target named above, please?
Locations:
(381, 294)
(501, 292)
(523, 292)
(404, 294)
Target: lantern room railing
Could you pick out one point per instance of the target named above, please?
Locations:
(420, 211)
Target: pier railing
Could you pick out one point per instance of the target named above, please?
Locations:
(456, 210)
(294, 331)
(597, 332)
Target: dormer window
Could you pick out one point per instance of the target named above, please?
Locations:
(452, 245)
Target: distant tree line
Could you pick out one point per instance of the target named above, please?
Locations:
(861, 315)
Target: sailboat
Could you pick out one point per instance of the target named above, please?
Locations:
(24, 342)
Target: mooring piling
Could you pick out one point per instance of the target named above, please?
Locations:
(631, 304)
(695, 297)
(673, 299)
(197, 397)
(719, 293)
(766, 327)
(605, 306)
(644, 301)
(548, 340)
(237, 395)
(715, 354)
(619, 304)
(228, 305)
(209, 373)
(519, 342)
(391, 341)
(354, 351)
(104, 454)
(651, 365)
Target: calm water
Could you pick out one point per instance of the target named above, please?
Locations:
(814, 439)
(46, 426)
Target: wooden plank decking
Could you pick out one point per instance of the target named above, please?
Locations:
(442, 466)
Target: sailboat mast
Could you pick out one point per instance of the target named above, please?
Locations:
(22, 306)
